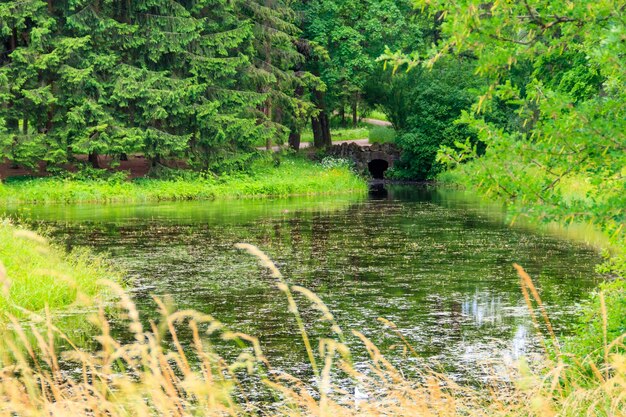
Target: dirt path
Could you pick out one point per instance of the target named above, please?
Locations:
(377, 122)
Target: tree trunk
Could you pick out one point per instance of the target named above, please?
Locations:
(69, 153)
(12, 123)
(437, 21)
(13, 44)
(294, 123)
(49, 115)
(50, 112)
(267, 110)
(355, 117)
(321, 130)
(14, 145)
(321, 123)
(294, 140)
(326, 129)
(93, 159)
(316, 126)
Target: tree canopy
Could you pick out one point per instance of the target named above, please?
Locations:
(204, 80)
(559, 66)
(189, 79)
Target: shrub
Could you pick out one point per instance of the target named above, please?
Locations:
(604, 317)
(423, 106)
(333, 162)
(382, 134)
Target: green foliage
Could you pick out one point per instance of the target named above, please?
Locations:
(382, 134)
(345, 39)
(569, 159)
(169, 79)
(589, 339)
(276, 69)
(423, 105)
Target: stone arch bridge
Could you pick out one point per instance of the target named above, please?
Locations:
(375, 158)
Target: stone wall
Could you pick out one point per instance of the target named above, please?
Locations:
(362, 155)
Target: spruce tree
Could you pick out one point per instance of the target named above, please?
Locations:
(34, 56)
(172, 86)
(169, 79)
(276, 69)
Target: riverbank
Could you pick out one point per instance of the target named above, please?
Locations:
(36, 274)
(289, 176)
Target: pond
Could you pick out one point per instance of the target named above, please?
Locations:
(435, 263)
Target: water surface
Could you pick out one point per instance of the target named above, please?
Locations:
(436, 264)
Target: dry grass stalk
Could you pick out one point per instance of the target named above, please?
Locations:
(155, 373)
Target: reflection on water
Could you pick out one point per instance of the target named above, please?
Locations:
(378, 191)
(436, 265)
(519, 344)
(483, 308)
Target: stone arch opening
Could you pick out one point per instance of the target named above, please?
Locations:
(377, 168)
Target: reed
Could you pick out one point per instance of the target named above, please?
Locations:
(155, 373)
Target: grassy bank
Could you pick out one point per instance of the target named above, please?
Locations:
(36, 274)
(382, 134)
(290, 176)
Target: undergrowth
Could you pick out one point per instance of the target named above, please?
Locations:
(269, 177)
(382, 134)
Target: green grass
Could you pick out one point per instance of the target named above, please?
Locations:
(378, 115)
(293, 176)
(382, 134)
(337, 133)
(36, 274)
(340, 133)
